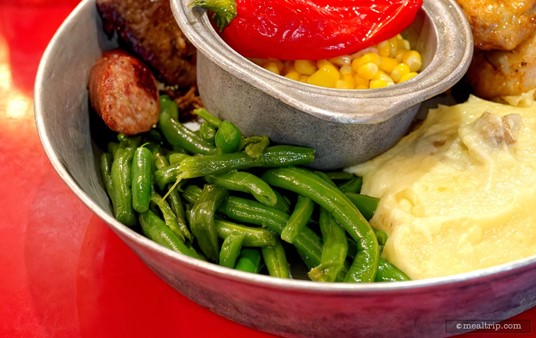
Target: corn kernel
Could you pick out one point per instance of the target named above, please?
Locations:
(293, 75)
(384, 48)
(305, 67)
(367, 70)
(274, 67)
(360, 83)
(408, 76)
(346, 70)
(413, 59)
(393, 43)
(289, 67)
(324, 62)
(326, 76)
(402, 43)
(384, 77)
(400, 70)
(399, 54)
(341, 60)
(362, 52)
(387, 64)
(366, 58)
(378, 84)
(346, 82)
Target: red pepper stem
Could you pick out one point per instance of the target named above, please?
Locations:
(222, 11)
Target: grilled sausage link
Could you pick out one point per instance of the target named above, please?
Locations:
(124, 93)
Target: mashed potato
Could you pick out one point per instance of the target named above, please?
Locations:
(458, 193)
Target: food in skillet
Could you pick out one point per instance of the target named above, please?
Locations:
(154, 227)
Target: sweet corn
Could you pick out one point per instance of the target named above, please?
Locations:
(380, 75)
(289, 67)
(304, 78)
(367, 58)
(324, 63)
(399, 54)
(274, 67)
(346, 70)
(413, 60)
(305, 67)
(408, 76)
(402, 43)
(399, 72)
(326, 76)
(358, 54)
(384, 48)
(361, 83)
(387, 63)
(341, 60)
(379, 83)
(367, 70)
(346, 82)
(394, 44)
(293, 75)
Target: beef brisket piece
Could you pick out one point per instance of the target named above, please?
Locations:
(148, 29)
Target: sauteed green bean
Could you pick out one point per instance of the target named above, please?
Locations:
(217, 195)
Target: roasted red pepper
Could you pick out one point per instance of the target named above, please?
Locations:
(308, 29)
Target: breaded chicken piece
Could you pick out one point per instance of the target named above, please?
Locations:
(500, 24)
(495, 74)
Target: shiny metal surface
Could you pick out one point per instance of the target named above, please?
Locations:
(290, 308)
(344, 126)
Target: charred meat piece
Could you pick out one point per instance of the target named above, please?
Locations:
(147, 29)
(124, 93)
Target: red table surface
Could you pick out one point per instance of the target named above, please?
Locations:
(63, 273)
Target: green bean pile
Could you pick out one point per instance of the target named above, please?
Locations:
(216, 195)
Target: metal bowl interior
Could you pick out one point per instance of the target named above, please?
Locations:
(284, 307)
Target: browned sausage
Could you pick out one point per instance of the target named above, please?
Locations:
(124, 92)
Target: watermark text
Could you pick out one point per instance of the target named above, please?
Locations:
(489, 326)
